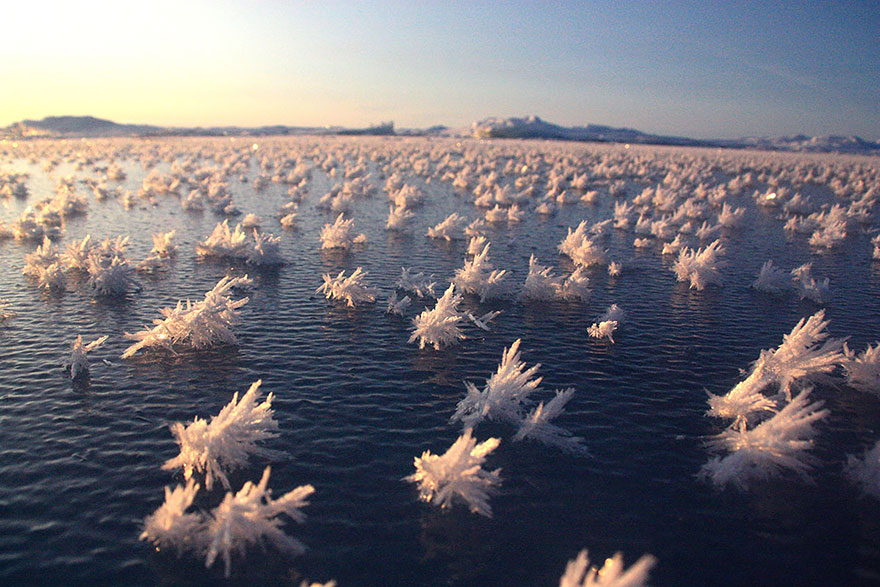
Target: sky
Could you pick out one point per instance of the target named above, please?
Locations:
(709, 69)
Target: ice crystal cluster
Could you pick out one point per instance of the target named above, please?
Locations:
(541, 284)
(416, 283)
(506, 397)
(78, 362)
(458, 474)
(862, 370)
(773, 433)
(194, 325)
(480, 278)
(806, 353)
(248, 517)
(352, 289)
(581, 248)
(339, 235)
(450, 228)
(233, 244)
(763, 451)
(578, 572)
(700, 267)
(439, 327)
(865, 471)
(227, 441)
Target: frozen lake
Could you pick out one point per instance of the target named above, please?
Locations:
(80, 464)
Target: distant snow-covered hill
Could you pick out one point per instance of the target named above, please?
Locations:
(530, 127)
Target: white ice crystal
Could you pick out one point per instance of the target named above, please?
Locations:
(772, 279)
(250, 516)
(614, 269)
(603, 329)
(227, 441)
(537, 425)
(776, 444)
(416, 283)
(110, 276)
(194, 325)
(479, 277)
(451, 228)
(807, 286)
(266, 250)
(78, 362)
(170, 526)
(806, 353)
(44, 255)
(163, 244)
(398, 218)
(578, 246)
(504, 394)
(339, 235)
(353, 289)
(224, 242)
(458, 473)
(439, 326)
(865, 472)
(613, 312)
(540, 283)
(483, 321)
(396, 306)
(862, 371)
(578, 572)
(51, 278)
(700, 267)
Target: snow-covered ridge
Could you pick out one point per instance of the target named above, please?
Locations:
(529, 127)
(533, 127)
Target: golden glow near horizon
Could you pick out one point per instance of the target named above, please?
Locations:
(722, 71)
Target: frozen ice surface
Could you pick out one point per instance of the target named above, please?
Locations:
(458, 474)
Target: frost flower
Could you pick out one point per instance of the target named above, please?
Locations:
(439, 327)
(353, 289)
(170, 526)
(776, 444)
(227, 441)
(612, 574)
(458, 473)
(196, 325)
(504, 393)
(78, 363)
(250, 516)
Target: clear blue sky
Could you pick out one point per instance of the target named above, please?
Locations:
(700, 69)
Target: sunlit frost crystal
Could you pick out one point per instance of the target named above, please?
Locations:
(578, 572)
(228, 440)
(251, 516)
(458, 473)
